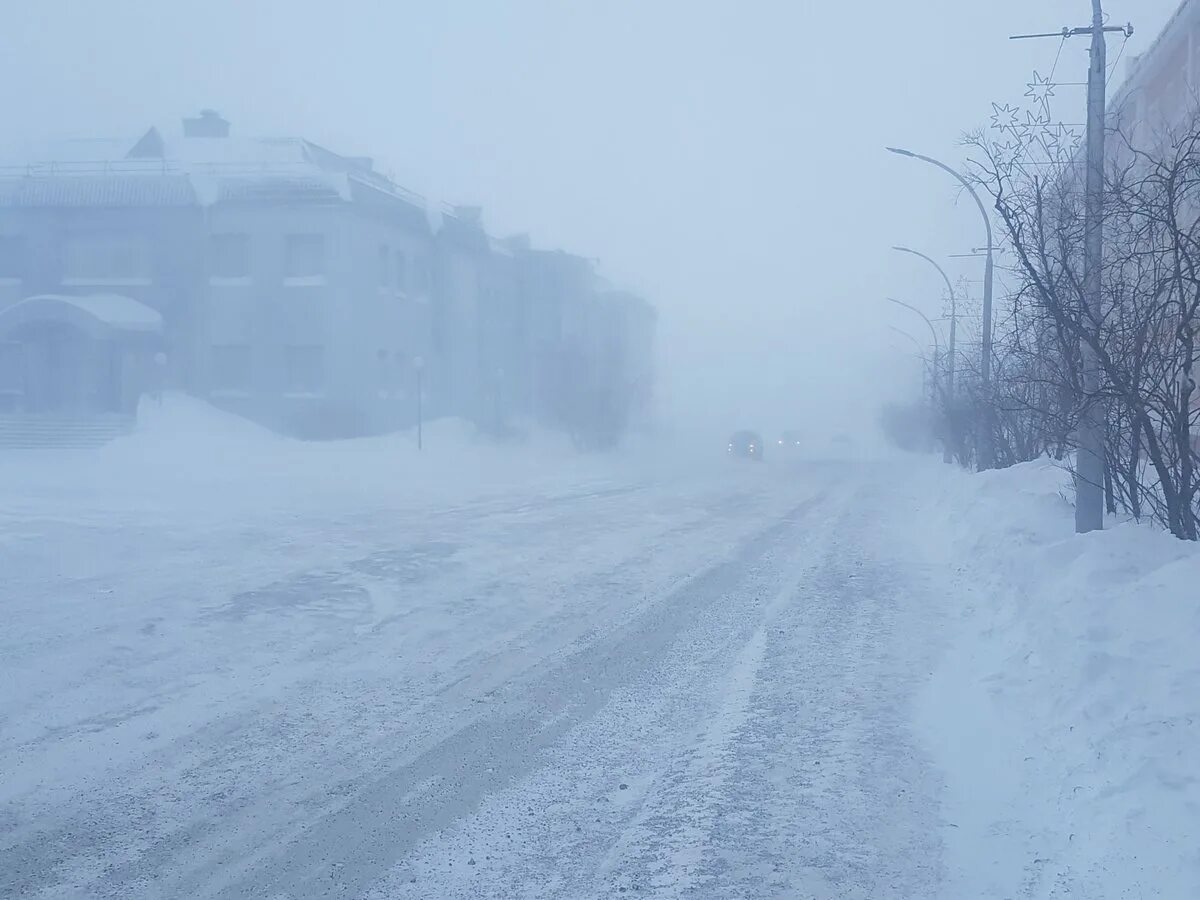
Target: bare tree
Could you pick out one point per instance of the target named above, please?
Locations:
(1141, 332)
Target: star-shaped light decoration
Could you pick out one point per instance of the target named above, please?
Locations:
(1068, 139)
(1005, 118)
(1036, 121)
(1040, 91)
(1048, 140)
(1060, 143)
(1008, 154)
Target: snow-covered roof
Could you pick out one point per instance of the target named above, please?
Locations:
(185, 169)
(116, 310)
(111, 312)
(100, 190)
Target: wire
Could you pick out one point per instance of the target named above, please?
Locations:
(1113, 69)
(1054, 67)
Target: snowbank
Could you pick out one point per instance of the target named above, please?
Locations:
(1066, 714)
(187, 460)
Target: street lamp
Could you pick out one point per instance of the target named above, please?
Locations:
(925, 368)
(953, 316)
(927, 320)
(946, 455)
(986, 457)
(419, 365)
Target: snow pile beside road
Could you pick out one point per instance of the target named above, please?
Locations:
(188, 459)
(1066, 714)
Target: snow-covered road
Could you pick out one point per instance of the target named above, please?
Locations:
(235, 666)
(744, 736)
(689, 685)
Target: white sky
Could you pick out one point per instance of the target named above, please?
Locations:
(726, 158)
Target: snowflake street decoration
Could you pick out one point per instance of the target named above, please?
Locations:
(1040, 91)
(1005, 118)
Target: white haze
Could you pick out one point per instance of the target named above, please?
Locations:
(726, 159)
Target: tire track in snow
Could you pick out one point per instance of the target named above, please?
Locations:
(767, 754)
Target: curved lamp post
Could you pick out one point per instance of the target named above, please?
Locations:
(946, 455)
(925, 367)
(953, 316)
(928, 321)
(986, 457)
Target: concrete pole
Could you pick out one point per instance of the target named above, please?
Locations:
(1089, 464)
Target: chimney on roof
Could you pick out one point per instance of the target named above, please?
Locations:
(208, 124)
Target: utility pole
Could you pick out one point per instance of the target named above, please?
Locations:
(1089, 462)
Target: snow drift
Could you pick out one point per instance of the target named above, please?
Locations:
(1066, 714)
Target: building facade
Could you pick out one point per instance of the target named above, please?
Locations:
(1162, 85)
(275, 278)
(1160, 96)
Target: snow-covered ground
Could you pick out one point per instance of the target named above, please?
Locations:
(1066, 714)
(239, 666)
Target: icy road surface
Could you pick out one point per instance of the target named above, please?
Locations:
(681, 686)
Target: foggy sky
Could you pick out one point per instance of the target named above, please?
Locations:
(726, 159)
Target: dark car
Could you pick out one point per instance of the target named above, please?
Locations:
(746, 444)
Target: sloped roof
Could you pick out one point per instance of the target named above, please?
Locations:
(178, 170)
(101, 190)
(266, 188)
(98, 314)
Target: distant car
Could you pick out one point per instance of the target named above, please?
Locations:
(790, 440)
(746, 445)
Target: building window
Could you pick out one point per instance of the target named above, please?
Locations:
(12, 256)
(385, 267)
(304, 369)
(229, 256)
(401, 271)
(229, 368)
(100, 258)
(304, 255)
